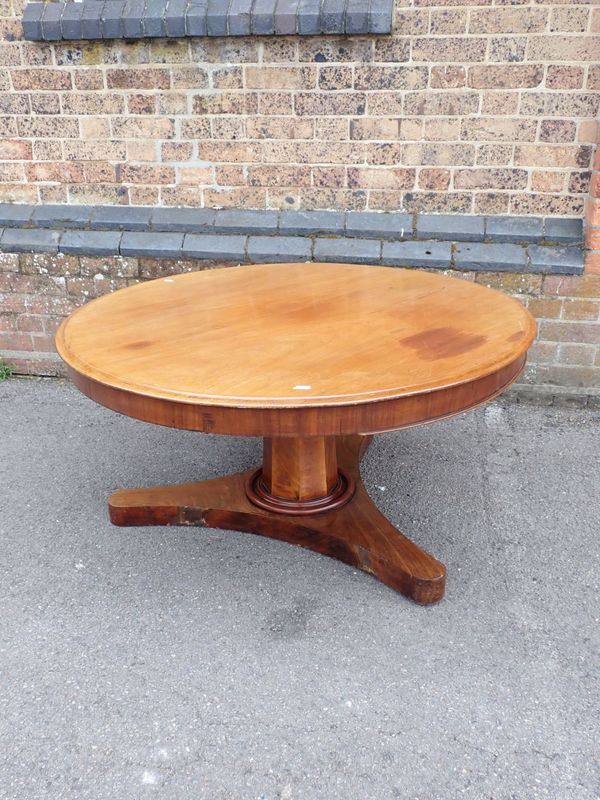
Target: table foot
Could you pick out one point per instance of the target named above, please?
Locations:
(356, 533)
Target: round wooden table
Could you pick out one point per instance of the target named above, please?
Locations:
(315, 358)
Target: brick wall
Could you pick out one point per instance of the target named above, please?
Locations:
(38, 291)
(484, 107)
(472, 107)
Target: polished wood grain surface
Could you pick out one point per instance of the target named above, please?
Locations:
(295, 334)
(352, 343)
(306, 356)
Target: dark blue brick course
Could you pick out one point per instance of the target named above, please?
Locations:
(561, 260)
(216, 18)
(90, 243)
(16, 214)
(356, 17)
(91, 21)
(352, 251)
(51, 22)
(333, 16)
(112, 13)
(417, 254)
(132, 19)
(514, 229)
(286, 17)
(259, 235)
(133, 13)
(185, 220)
(278, 248)
(131, 218)
(375, 225)
(455, 227)
(563, 230)
(305, 223)
(195, 19)
(29, 240)
(215, 247)
(60, 216)
(239, 18)
(175, 17)
(70, 23)
(234, 221)
(160, 245)
(495, 257)
(32, 21)
(309, 17)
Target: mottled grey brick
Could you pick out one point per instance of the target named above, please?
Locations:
(32, 21)
(380, 16)
(278, 248)
(453, 227)
(379, 225)
(157, 245)
(495, 257)
(186, 220)
(133, 13)
(563, 230)
(215, 248)
(60, 216)
(112, 13)
(131, 218)
(333, 16)
(241, 221)
(91, 20)
(15, 214)
(216, 18)
(559, 260)
(91, 243)
(239, 18)
(352, 251)
(417, 254)
(70, 21)
(263, 17)
(175, 17)
(305, 223)
(357, 17)
(51, 22)
(513, 229)
(29, 240)
(309, 17)
(153, 22)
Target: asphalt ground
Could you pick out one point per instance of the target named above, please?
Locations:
(185, 664)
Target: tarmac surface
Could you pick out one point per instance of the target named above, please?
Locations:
(191, 664)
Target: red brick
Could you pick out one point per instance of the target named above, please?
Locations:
(15, 341)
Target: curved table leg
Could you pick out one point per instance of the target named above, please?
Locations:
(357, 533)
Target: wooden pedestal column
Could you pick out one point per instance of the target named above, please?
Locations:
(299, 475)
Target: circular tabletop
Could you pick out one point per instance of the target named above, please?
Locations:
(296, 349)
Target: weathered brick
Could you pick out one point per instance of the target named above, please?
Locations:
(581, 310)
(507, 76)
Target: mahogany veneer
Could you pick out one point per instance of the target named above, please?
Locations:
(311, 357)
